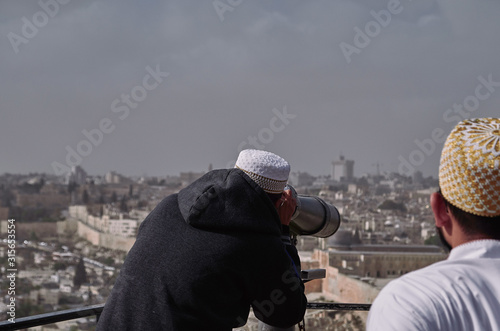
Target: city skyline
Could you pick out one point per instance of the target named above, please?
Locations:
(158, 88)
(327, 174)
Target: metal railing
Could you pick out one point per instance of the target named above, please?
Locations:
(52, 317)
(96, 310)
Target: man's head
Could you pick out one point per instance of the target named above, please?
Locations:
(469, 178)
(268, 170)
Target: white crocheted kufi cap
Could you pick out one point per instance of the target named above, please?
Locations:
(469, 171)
(268, 170)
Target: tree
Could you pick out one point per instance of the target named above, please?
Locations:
(114, 198)
(85, 197)
(33, 236)
(7, 198)
(123, 205)
(80, 274)
(72, 187)
(26, 308)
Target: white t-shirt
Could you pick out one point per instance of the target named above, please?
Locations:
(460, 293)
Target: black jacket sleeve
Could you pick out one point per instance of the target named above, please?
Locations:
(282, 302)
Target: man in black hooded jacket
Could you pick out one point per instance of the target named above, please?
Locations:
(205, 255)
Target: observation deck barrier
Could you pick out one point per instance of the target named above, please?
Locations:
(96, 310)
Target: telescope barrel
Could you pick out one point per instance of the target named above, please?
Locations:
(314, 217)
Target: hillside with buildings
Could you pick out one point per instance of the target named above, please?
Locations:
(73, 233)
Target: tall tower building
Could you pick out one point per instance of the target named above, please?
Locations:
(342, 169)
(77, 176)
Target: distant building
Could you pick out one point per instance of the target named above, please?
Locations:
(77, 176)
(112, 178)
(37, 277)
(103, 230)
(343, 170)
(119, 227)
(351, 257)
(63, 257)
(322, 181)
(50, 196)
(301, 179)
(44, 296)
(122, 227)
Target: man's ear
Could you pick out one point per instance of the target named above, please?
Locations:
(440, 210)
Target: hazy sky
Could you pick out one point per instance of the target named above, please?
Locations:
(158, 87)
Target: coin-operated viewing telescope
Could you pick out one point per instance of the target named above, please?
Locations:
(313, 216)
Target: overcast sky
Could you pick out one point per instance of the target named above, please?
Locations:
(176, 85)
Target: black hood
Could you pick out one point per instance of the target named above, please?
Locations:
(227, 200)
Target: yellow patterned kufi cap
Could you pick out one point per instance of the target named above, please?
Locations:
(469, 172)
(268, 170)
